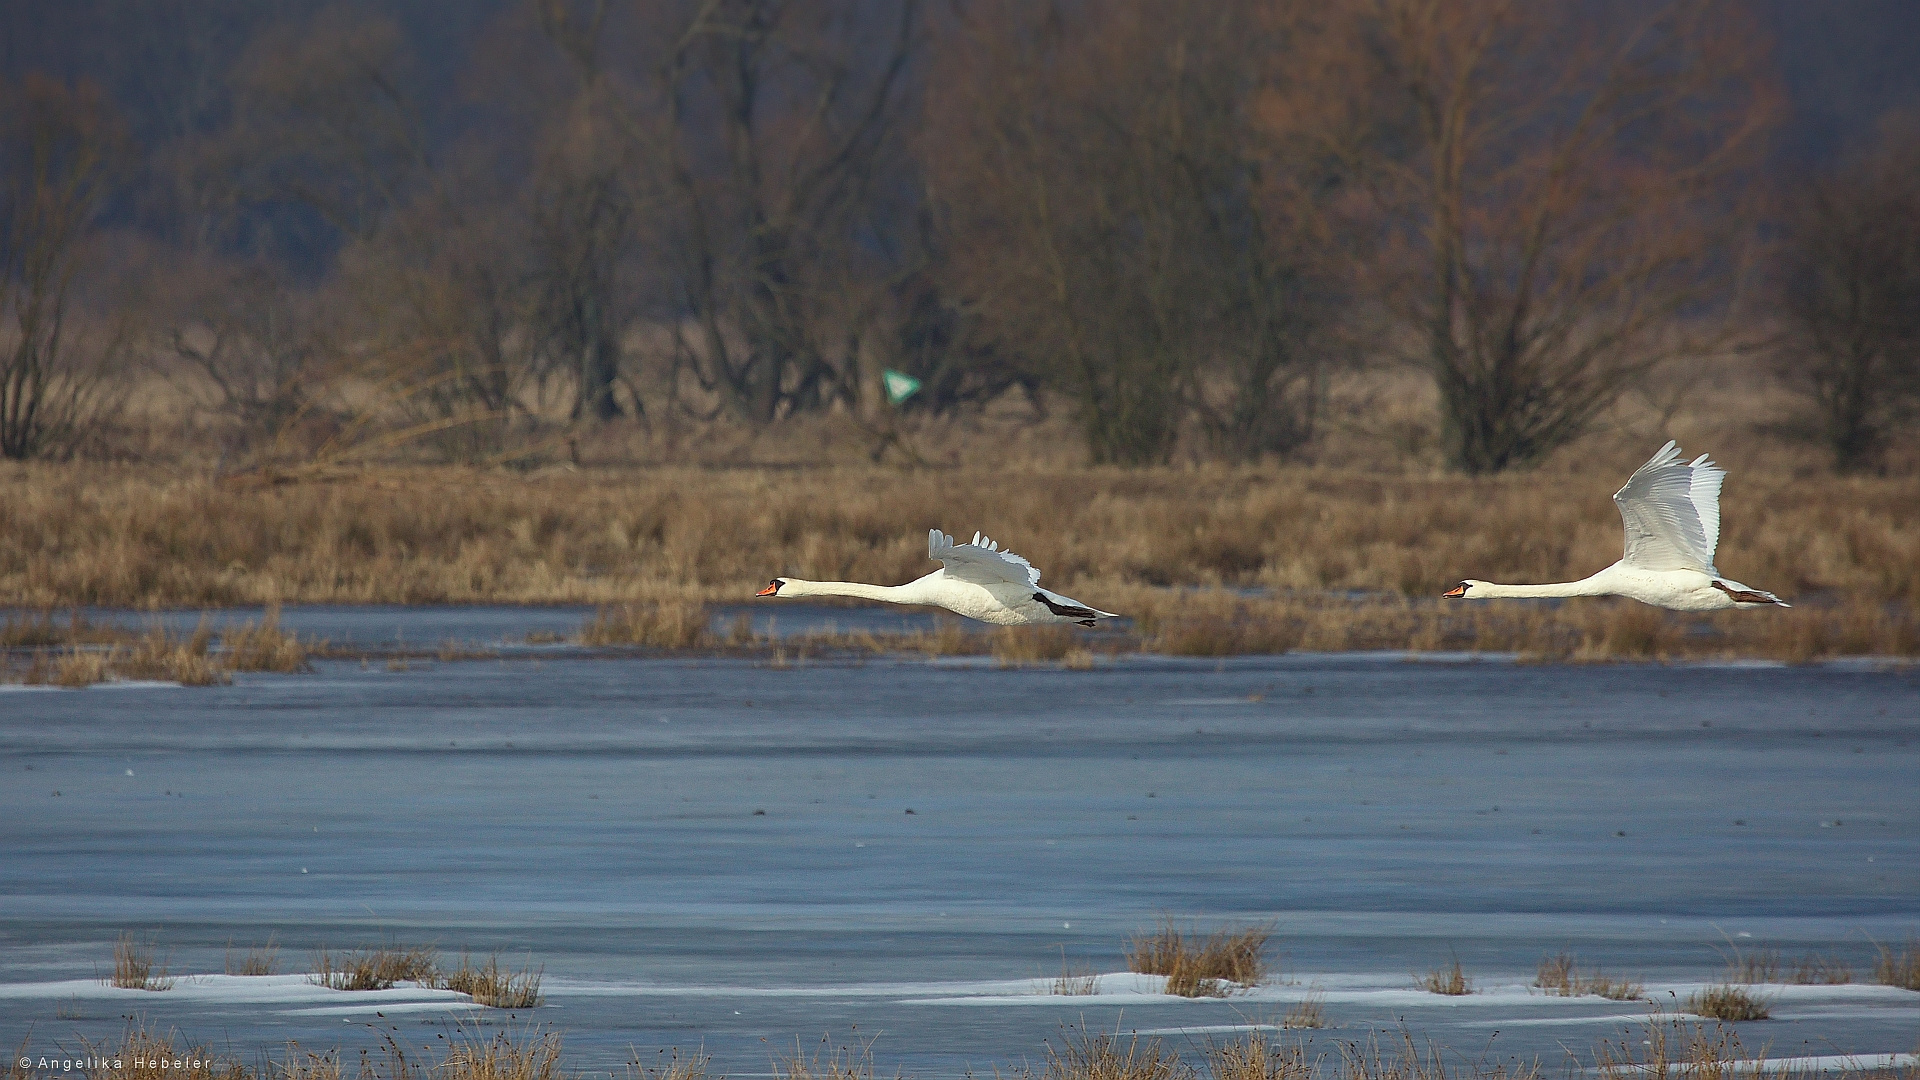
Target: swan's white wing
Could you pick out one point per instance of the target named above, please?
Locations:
(1706, 501)
(1671, 510)
(981, 562)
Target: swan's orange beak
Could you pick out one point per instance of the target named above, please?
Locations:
(1456, 592)
(772, 589)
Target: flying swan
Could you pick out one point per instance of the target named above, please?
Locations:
(977, 580)
(1671, 510)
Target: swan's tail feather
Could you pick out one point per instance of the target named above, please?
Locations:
(1741, 594)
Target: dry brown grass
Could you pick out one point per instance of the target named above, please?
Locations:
(1014, 646)
(1197, 966)
(528, 1054)
(144, 1053)
(121, 536)
(83, 653)
(378, 967)
(1727, 1002)
(493, 986)
(1900, 967)
(1559, 974)
(1258, 1058)
(156, 654)
(134, 967)
(1082, 1055)
(257, 960)
(1403, 1059)
(654, 624)
(42, 630)
(263, 646)
(1673, 1050)
(1164, 545)
(845, 1062)
(672, 1065)
(1816, 970)
(1074, 981)
(1309, 1013)
(1451, 981)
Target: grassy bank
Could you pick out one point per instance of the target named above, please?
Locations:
(1342, 558)
(130, 537)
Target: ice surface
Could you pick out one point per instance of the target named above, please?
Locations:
(597, 817)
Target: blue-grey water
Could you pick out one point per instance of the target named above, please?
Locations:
(727, 855)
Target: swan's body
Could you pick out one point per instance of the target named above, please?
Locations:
(977, 580)
(1671, 510)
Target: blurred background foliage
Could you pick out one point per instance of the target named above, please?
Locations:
(291, 232)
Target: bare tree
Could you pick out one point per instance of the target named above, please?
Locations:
(1849, 287)
(58, 151)
(585, 210)
(434, 246)
(765, 128)
(1119, 230)
(1544, 189)
(248, 334)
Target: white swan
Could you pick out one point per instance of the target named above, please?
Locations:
(977, 580)
(1671, 510)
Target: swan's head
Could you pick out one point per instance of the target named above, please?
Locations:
(773, 587)
(1465, 589)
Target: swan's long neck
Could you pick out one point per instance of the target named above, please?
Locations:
(1583, 587)
(889, 593)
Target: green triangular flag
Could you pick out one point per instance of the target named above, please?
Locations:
(900, 385)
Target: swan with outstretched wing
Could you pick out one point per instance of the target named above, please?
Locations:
(979, 580)
(1671, 511)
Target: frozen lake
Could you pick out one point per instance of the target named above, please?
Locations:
(603, 817)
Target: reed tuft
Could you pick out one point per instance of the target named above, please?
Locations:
(134, 967)
(1727, 1002)
(1197, 966)
(496, 987)
(375, 968)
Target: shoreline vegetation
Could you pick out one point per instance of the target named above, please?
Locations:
(73, 650)
(1207, 560)
(1196, 964)
(1663, 1047)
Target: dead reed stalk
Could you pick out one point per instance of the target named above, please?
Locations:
(134, 967)
(145, 1053)
(1403, 1059)
(1898, 968)
(676, 1067)
(528, 1055)
(1678, 1050)
(846, 1062)
(1258, 1058)
(1727, 1002)
(659, 624)
(1816, 970)
(1197, 966)
(1308, 1013)
(258, 960)
(1558, 974)
(1074, 981)
(1014, 646)
(1083, 1055)
(375, 968)
(1451, 981)
(263, 646)
(494, 986)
